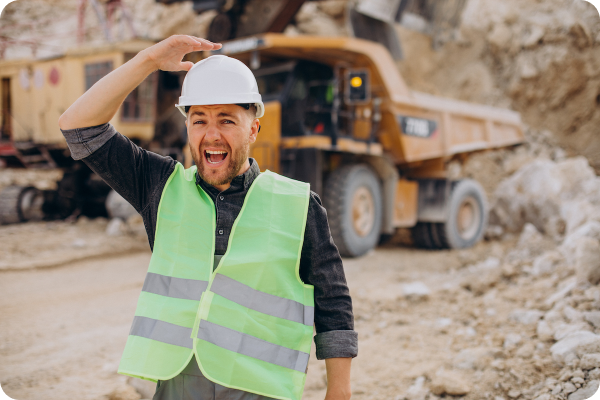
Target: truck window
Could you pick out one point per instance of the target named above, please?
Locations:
(272, 80)
(307, 108)
(271, 86)
(96, 71)
(140, 105)
(6, 127)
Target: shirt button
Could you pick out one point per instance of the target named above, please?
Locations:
(221, 198)
(221, 232)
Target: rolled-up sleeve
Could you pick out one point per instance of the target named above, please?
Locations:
(332, 344)
(321, 266)
(84, 141)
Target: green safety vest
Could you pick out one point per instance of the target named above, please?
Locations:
(250, 322)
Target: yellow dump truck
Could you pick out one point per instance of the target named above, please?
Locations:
(339, 116)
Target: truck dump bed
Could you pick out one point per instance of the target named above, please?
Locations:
(415, 126)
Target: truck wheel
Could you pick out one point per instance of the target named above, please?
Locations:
(354, 207)
(467, 216)
(20, 204)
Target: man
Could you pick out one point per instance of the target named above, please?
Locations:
(241, 261)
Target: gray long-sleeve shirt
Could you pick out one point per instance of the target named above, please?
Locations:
(140, 176)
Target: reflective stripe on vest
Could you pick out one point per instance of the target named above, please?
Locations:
(161, 331)
(190, 289)
(263, 302)
(253, 347)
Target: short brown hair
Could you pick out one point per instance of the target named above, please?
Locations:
(248, 106)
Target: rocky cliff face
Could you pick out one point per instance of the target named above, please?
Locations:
(539, 58)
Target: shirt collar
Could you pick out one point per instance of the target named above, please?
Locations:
(241, 181)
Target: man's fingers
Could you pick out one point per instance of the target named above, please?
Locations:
(206, 44)
(186, 65)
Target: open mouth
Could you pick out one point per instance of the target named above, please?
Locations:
(215, 157)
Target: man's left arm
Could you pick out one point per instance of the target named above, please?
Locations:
(338, 378)
(321, 266)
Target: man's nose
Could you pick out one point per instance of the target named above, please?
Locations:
(213, 133)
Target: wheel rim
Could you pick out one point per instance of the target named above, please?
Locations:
(363, 211)
(31, 205)
(468, 218)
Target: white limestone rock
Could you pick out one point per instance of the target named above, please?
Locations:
(590, 361)
(512, 340)
(587, 260)
(416, 290)
(526, 317)
(477, 358)
(417, 391)
(544, 331)
(450, 383)
(563, 330)
(569, 245)
(115, 227)
(573, 345)
(586, 392)
(547, 263)
(593, 317)
(543, 192)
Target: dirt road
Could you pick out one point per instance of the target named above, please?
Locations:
(63, 328)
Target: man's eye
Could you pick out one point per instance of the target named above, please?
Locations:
(198, 122)
(228, 121)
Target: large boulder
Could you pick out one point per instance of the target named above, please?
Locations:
(556, 197)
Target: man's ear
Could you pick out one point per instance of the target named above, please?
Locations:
(254, 129)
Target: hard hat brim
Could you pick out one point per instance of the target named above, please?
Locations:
(260, 107)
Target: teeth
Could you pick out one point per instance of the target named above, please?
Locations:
(209, 153)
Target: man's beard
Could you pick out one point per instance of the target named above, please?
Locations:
(217, 177)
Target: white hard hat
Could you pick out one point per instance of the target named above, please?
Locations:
(220, 80)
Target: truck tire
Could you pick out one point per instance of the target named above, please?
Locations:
(20, 204)
(422, 236)
(353, 201)
(467, 216)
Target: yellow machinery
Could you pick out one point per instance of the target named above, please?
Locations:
(340, 116)
(34, 93)
(337, 115)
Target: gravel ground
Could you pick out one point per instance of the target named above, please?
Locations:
(429, 323)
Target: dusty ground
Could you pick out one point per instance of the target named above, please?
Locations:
(63, 327)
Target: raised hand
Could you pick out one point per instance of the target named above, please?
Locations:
(167, 55)
(100, 103)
